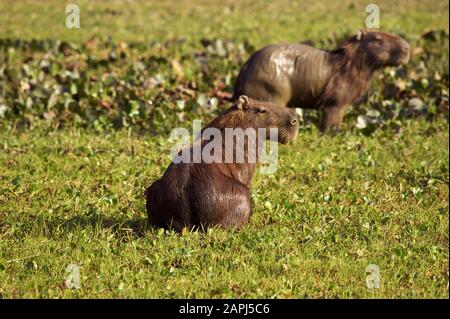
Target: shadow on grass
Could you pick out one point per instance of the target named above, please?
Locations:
(121, 227)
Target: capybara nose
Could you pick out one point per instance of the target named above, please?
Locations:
(406, 48)
(293, 119)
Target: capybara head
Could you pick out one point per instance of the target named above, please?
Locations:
(259, 114)
(381, 48)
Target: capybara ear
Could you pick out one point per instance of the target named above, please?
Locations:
(360, 34)
(243, 102)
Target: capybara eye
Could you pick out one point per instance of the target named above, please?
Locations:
(261, 110)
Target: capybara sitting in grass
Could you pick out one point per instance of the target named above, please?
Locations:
(298, 75)
(209, 193)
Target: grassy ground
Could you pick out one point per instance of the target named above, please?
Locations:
(335, 205)
(259, 21)
(328, 212)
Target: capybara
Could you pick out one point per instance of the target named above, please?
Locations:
(298, 75)
(202, 194)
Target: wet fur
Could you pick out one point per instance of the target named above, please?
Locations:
(298, 75)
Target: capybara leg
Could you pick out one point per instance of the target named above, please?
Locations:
(219, 200)
(232, 208)
(163, 214)
(239, 214)
(332, 118)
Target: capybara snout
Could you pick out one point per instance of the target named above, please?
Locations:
(289, 129)
(403, 53)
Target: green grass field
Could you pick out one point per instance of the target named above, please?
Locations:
(83, 133)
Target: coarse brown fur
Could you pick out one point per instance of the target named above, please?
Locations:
(297, 75)
(204, 194)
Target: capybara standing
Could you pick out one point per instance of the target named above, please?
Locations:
(298, 75)
(216, 193)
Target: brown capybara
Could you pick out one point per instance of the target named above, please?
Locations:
(298, 75)
(204, 194)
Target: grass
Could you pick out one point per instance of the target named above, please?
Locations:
(335, 205)
(75, 197)
(260, 21)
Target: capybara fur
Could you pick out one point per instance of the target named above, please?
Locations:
(298, 75)
(199, 195)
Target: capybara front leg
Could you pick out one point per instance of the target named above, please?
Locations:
(332, 118)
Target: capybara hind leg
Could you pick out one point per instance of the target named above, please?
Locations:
(234, 208)
(332, 118)
(239, 214)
